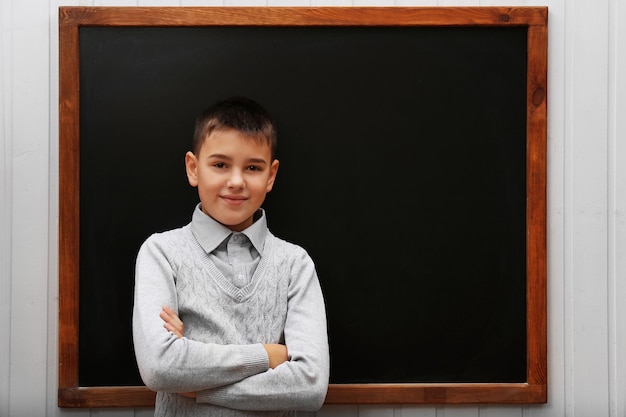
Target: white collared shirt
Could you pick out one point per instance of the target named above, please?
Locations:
(235, 254)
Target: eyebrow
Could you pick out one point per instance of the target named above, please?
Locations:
(228, 158)
(258, 161)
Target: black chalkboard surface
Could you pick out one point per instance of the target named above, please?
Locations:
(404, 173)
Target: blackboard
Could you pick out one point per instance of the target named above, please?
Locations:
(412, 170)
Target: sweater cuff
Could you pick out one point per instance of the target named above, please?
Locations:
(255, 362)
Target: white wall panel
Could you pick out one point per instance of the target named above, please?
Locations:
(556, 208)
(245, 3)
(206, 3)
(113, 412)
(163, 3)
(331, 3)
(373, 3)
(457, 411)
(458, 3)
(109, 3)
(338, 411)
(375, 411)
(415, 3)
(145, 412)
(288, 3)
(617, 208)
(29, 207)
(415, 411)
(586, 210)
(500, 411)
(53, 209)
(6, 181)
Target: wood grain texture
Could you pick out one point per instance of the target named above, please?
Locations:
(537, 204)
(69, 236)
(535, 18)
(286, 16)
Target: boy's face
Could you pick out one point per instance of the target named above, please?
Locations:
(233, 174)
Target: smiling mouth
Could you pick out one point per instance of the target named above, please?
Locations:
(234, 200)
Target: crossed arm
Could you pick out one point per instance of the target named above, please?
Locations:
(276, 353)
(292, 375)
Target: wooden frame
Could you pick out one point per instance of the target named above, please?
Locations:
(534, 390)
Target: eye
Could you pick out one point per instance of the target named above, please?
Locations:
(255, 168)
(219, 165)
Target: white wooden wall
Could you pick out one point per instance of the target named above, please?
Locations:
(586, 209)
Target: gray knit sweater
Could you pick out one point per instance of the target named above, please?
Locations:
(221, 356)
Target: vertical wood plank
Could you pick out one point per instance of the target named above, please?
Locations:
(415, 411)
(113, 412)
(617, 209)
(460, 3)
(208, 3)
(144, 412)
(288, 3)
(250, 3)
(375, 411)
(457, 411)
(164, 3)
(415, 3)
(586, 188)
(113, 3)
(53, 212)
(373, 3)
(513, 3)
(333, 3)
(6, 180)
(29, 273)
(500, 411)
(338, 411)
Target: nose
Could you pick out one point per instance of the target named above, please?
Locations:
(235, 180)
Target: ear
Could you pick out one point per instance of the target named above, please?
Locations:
(191, 164)
(272, 178)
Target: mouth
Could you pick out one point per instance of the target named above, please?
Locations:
(234, 200)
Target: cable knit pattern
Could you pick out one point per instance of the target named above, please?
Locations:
(221, 356)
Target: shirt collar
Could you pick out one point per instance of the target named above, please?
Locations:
(210, 233)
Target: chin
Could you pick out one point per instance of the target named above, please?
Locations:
(237, 225)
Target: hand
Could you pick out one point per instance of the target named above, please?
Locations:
(175, 325)
(277, 354)
(172, 322)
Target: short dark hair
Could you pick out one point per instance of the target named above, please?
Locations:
(239, 113)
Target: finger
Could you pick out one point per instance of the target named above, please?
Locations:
(173, 329)
(179, 329)
(173, 317)
(172, 321)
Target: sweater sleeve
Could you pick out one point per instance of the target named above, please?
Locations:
(302, 382)
(167, 363)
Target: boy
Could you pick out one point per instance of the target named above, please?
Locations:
(254, 338)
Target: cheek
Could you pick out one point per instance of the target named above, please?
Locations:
(209, 182)
(257, 186)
